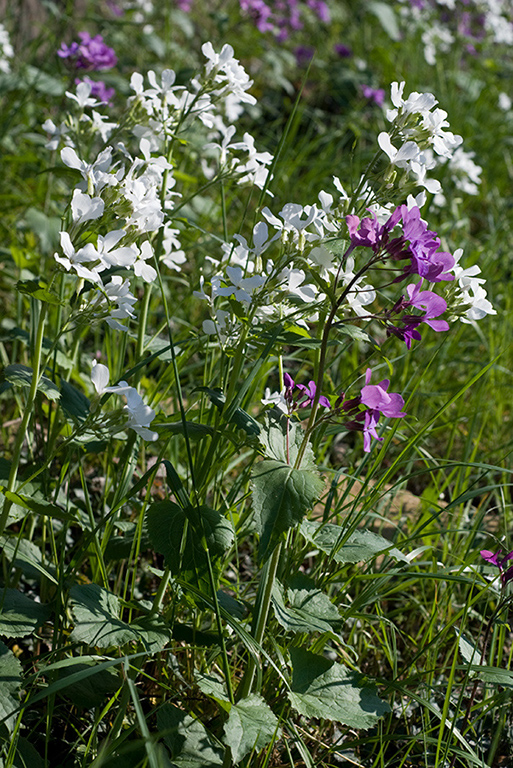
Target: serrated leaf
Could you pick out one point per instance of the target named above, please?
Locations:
(309, 609)
(39, 506)
(495, 675)
(212, 685)
(10, 683)
(21, 376)
(190, 743)
(250, 725)
(19, 615)
(202, 526)
(282, 438)
(468, 650)
(97, 622)
(281, 497)
(327, 690)
(96, 613)
(359, 546)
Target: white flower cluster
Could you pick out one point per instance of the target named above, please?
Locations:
(6, 50)
(138, 415)
(419, 125)
(472, 295)
(447, 23)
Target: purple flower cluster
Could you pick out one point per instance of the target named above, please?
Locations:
(91, 54)
(378, 401)
(308, 392)
(495, 558)
(281, 17)
(416, 243)
(428, 302)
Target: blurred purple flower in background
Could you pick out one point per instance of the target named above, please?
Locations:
(342, 50)
(376, 95)
(304, 54)
(91, 54)
(99, 90)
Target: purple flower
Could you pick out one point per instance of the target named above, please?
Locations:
(321, 9)
(376, 95)
(296, 401)
(367, 232)
(304, 54)
(90, 54)
(494, 558)
(342, 50)
(184, 5)
(99, 90)
(378, 401)
(430, 303)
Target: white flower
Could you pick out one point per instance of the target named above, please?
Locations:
(140, 415)
(112, 256)
(84, 207)
(83, 95)
(141, 269)
(84, 262)
(277, 399)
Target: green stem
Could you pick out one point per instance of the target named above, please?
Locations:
(22, 431)
(262, 605)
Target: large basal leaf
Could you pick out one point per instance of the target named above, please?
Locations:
(281, 497)
(359, 546)
(203, 528)
(239, 417)
(281, 439)
(92, 689)
(97, 622)
(10, 682)
(190, 743)
(19, 615)
(250, 725)
(309, 609)
(327, 690)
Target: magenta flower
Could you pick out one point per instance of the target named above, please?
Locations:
(494, 558)
(296, 401)
(90, 54)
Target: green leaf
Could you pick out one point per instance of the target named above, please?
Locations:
(38, 290)
(203, 527)
(250, 725)
(10, 683)
(26, 755)
(387, 18)
(19, 615)
(310, 609)
(282, 438)
(96, 612)
(281, 497)
(90, 691)
(26, 556)
(327, 690)
(359, 546)
(212, 685)
(21, 376)
(39, 506)
(190, 743)
(73, 402)
(97, 622)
